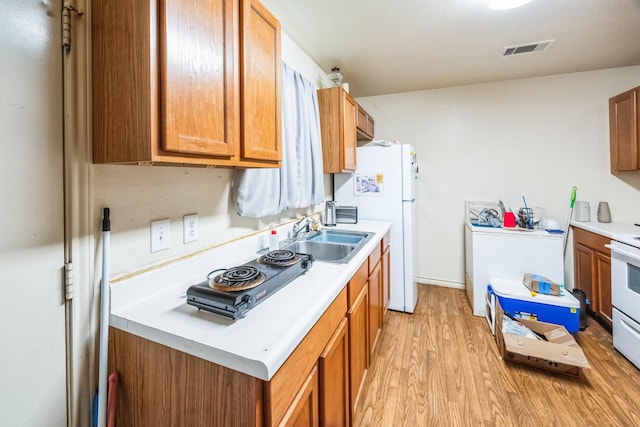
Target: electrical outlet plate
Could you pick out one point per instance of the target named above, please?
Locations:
(190, 228)
(160, 235)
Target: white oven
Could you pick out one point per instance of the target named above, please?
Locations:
(625, 296)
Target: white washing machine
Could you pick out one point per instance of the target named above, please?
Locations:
(508, 253)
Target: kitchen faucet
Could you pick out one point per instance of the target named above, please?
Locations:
(302, 224)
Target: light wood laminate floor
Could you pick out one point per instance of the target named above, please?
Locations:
(440, 367)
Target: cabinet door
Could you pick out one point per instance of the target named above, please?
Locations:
(334, 379)
(358, 348)
(350, 109)
(386, 281)
(375, 308)
(370, 127)
(364, 124)
(361, 120)
(338, 129)
(623, 129)
(303, 412)
(198, 90)
(261, 81)
(603, 283)
(584, 273)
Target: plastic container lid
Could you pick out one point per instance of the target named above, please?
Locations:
(514, 289)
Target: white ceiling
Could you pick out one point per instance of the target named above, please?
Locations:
(392, 46)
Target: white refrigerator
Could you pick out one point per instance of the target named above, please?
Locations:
(384, 188)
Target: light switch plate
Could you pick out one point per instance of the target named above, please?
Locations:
(160, 235)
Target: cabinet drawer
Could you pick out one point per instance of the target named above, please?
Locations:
(591, 240)
(374, 257)
(357, 282)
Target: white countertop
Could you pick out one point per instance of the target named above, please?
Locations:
(153, 305)
(620, 231)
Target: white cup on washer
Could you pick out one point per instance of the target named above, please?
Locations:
(581, 211)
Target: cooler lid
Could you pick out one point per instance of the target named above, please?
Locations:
(514, 289)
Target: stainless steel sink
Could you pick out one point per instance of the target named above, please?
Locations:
(339, 236)
(337, 246)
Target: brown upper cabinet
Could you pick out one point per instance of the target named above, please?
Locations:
(624, 129)
(186, 82)
(364, 125)
(261, 80)
(338, 130)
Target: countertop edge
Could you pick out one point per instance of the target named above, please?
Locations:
(607, 229)
(194, 348)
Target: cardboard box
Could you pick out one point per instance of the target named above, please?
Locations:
(560, 353)
(541, 284)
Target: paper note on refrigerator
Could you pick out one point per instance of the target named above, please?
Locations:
(369, 184)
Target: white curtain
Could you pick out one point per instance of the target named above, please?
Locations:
(299, 181)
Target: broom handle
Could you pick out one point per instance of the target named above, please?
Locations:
(565, 237)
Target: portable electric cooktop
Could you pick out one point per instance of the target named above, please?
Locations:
(235, 291)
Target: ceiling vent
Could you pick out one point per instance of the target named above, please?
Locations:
(527, 48)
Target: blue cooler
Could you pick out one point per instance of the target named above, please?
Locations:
(517, 300)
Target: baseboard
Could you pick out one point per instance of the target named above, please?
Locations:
(442, 283)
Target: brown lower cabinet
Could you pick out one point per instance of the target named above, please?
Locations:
(358, 316)
(318, 384)
(304, 408)
(592, 272)
(334, 379)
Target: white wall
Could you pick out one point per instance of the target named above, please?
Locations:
(32, 247)
(137, 195)
(535, 137)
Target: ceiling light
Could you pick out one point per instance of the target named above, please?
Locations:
(506, 4)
